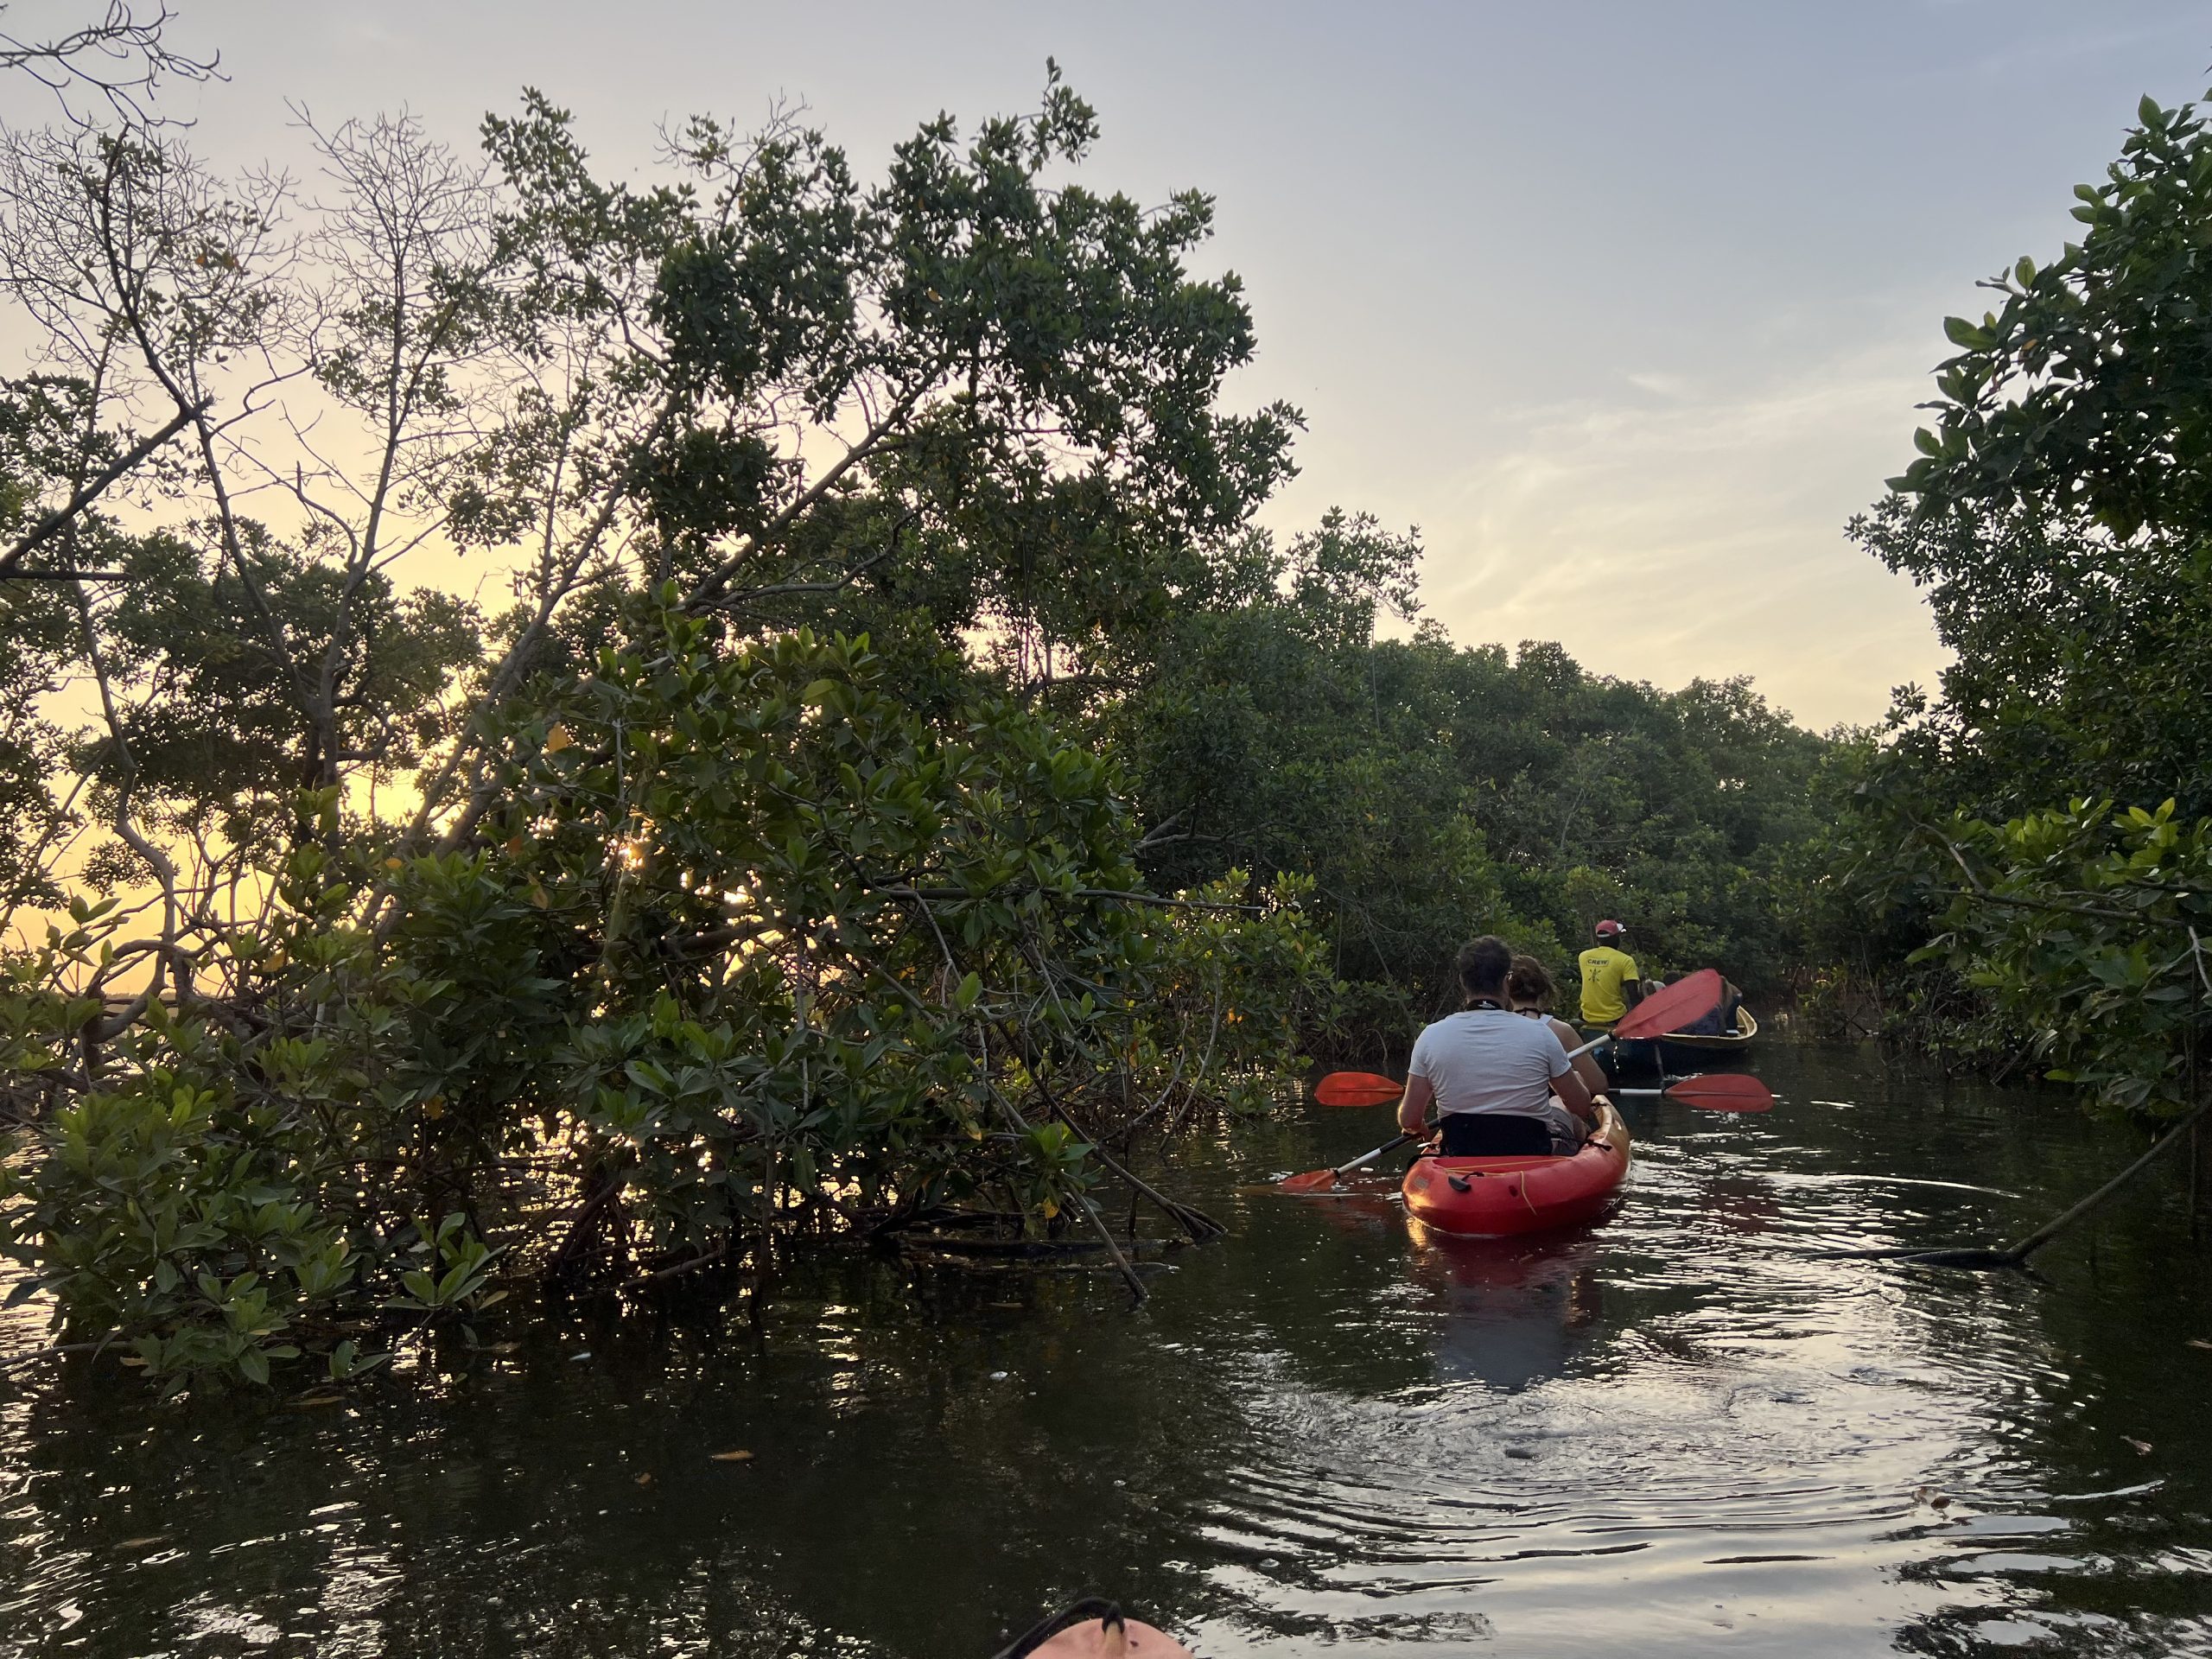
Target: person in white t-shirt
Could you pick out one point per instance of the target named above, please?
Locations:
(1492, 1074)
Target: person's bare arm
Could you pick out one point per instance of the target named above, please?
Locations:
(1632, 987)
(1586, 1065)
(1414, 1104)
(1574, 1096)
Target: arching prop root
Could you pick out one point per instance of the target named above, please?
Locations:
(2180, 1134)
(1195, 1222)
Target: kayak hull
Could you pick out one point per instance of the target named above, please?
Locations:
(1503, 1198)
(1681, 1051)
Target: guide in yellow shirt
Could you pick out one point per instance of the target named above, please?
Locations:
(1611, 985)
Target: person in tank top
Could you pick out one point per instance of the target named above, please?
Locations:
(1531, 991)
(1490, 1074)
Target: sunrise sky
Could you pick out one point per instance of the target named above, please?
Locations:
(1626, 306)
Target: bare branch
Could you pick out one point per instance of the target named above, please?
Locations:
(52, 525)
(122, 57)
(710, 589)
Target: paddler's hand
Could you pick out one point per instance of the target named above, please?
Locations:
(1414, 1104)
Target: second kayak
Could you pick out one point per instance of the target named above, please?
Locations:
(1496, 1197)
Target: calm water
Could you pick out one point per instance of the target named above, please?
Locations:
(1678, 1433)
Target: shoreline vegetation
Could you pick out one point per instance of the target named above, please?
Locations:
(904, 786)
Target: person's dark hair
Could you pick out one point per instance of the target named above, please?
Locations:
(1484, 964)
(1529, 981)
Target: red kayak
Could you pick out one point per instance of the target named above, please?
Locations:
(1495, 1198)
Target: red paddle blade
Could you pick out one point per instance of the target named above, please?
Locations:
(1357, 1088)
(1313, 1181)
(1687, 999)
(1723, 1091)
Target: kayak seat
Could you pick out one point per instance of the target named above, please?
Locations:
(1494, 1135)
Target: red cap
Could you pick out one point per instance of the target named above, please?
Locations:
(1610, 930)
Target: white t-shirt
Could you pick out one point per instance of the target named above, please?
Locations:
(1490, 1060)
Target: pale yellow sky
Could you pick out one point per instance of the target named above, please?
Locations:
(1626, 306)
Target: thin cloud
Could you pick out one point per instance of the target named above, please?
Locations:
(1699, 536)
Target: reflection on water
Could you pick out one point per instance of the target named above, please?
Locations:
(1685, 1431)
(1507, 1311)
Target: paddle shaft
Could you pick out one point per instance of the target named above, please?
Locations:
(1367, 1157)
(1711, 1092)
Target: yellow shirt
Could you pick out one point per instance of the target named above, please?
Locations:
(1604, 969)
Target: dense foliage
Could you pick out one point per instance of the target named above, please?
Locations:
(754, 950)
(2044, 815)
(1430, 790)
(619, 934)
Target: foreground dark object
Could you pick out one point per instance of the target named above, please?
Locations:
(1093, 1628)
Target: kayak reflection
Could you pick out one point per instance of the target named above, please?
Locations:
(1510, 1312)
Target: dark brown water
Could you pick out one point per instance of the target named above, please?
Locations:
(1681, 1432)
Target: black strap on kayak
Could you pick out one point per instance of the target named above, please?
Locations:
(1106, 1613)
